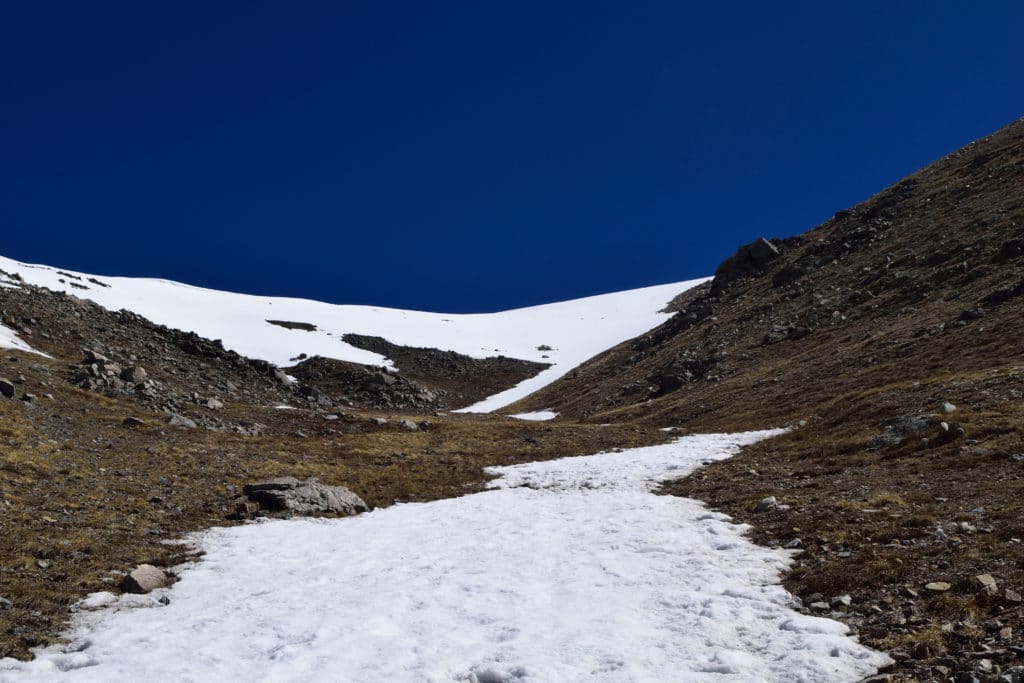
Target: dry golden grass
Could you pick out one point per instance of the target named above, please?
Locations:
(84, 498)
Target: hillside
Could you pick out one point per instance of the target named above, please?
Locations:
(119, 434)
(849, 334)
(552, 338)
(887, 340)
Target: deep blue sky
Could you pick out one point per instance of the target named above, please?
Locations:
(470, 156)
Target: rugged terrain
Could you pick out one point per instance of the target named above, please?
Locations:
(131, 434)
(887, 339)
(848, 334)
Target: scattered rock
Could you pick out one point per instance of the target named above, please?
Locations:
(972, 314)
(778, 333)
(770, 504)
(134, 374)
(937, 586)
(289, 496)
(749, 259)
(132, 421)
(5, 603)
(7, 388)
(213, 404)
(181, 421)
(409, 425)
(1012, 595)
(896, 429)
(94, 357)
(379, 421)
(841, 601)
(948, 408)
(282, 377)
(986, 583)
(291, 325)
(143, 579)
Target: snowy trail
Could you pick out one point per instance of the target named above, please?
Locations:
(568, 570)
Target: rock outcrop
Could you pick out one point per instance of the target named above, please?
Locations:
(288, 496)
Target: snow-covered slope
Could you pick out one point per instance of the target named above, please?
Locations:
(575, 330)
(570, 570)
(9, 340)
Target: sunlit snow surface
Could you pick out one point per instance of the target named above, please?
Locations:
(537, 416)
(574, 330)
(9, 340)
(569, 570)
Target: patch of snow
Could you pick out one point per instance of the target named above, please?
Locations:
(95, 601)
(577, 329)
(9, 340)
(566, 570)
(540, 415)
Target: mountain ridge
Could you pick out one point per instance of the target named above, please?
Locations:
(886, 340)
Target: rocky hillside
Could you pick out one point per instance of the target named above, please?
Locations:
(889, 339)
(458, 380)
(128, 434)
(923, 279)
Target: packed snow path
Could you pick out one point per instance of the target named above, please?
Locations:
(569, 570)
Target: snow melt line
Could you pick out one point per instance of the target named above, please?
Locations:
(567, 570)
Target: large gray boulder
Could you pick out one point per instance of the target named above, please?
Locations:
(143, 579)
(290, 496)
(135, 374)
(181, 421)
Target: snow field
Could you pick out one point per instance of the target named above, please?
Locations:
(567, 570)
(575, 330)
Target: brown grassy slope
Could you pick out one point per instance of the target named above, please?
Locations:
(84, 498)
(879, 287)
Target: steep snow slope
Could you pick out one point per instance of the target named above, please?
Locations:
(575, 330)
(570, 570)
